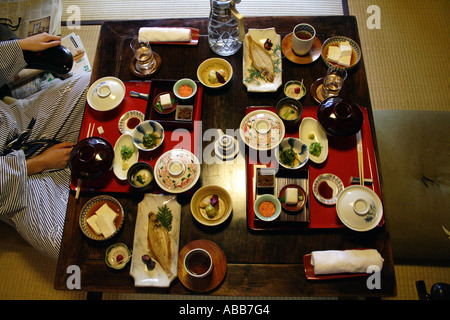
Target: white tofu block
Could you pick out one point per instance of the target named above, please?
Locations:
(106, 225)
(345, 61)
(346, 49)
(291, 195)
(92, 222)
(165, 101)
(106, 210)
(333, 54)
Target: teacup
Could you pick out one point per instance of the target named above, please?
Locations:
(303, 38)
(198, 263)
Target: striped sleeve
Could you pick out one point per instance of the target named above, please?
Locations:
(12, 60)
(13, 184)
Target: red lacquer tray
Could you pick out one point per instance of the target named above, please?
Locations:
(342, 161)
(179, 139)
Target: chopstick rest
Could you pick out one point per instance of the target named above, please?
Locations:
(345, 261)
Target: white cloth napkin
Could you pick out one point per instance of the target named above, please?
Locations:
(345, 261)
(157, 34)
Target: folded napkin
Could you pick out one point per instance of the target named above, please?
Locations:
(157, 34)
(345, 261)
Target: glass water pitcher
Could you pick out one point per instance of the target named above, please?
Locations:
(225, 27)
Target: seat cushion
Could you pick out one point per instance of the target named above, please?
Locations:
(414, 150)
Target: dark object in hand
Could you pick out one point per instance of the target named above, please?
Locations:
(58, 60)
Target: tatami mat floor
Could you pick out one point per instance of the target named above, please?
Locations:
(404, 72)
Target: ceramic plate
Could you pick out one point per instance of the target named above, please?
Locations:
(328, 193)
(120, 167)
(177, 170)
(143, 277)
(310, 131)
(124, 126)
(253, 79)
(347, 205)
(262, 130)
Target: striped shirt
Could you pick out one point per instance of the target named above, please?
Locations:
(36, 205)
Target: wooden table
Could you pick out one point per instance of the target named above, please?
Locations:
(259, 263)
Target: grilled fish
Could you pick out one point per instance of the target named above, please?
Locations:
(159, 243)
(261, 59)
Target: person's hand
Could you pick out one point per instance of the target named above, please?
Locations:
(54, 158)
(39, 42)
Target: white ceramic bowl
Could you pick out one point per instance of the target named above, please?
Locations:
(205, 191)
(106, 94)
(271, 198)
(214, 64)
(298, 146)
(147, 127)
(181, 82)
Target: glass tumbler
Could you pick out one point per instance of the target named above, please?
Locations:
(333, 82)
(143, 53)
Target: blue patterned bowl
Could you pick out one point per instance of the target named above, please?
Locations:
(144, 129)
(300, 149)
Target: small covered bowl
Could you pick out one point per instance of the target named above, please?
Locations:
(148, 135)
(91, 158)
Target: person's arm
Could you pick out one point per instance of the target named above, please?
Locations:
(54, 158)
(11, 53)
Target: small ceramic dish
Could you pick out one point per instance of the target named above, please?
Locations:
(301, 198)
(125, 155)
(106, 94)
(294, 89)
(290, 111)
(292, 148)
(219, 215)
(157, 103)
(206, 72)
(90, 209)
(312, 133)
(91, 158)
(265, 178)
(269, 198)
(178, 86)
(140, 176)
(184, 112)
(335, 41)
(117, 256)
(146, 129)
(129, 120)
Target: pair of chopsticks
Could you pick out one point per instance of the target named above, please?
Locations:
(90, 133)
(360, 152)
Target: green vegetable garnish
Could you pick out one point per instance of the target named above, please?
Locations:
(139, 179)
(150, 140)
(288, 157)
(165, 216)
(126, 152)
(315, 149)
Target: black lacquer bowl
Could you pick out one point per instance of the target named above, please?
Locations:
(340, 116)
(91, 158)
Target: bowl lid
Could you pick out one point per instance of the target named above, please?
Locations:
(91, 158)
(359, 208)
(340, 116)
(262, 130)
(106, 93)
(177, 170)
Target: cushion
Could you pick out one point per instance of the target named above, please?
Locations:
(414, 149)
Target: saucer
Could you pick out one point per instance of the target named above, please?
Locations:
(316, 90)
(313, 55)
(214, 278)
(147, 73)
